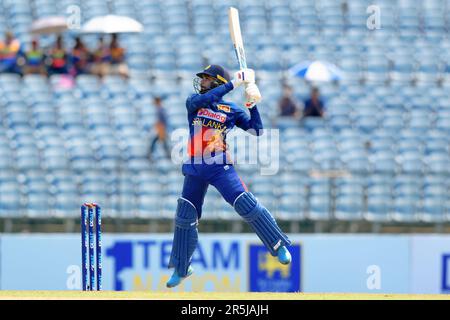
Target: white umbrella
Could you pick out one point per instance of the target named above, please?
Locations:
(49, 25)
(316, 71)
(112, 24)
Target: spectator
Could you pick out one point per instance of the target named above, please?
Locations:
(34, 60)
(160, 128)
(287, 105)
(10, 51)
(80, 57)
(57, 59)
(118, 65)
(314, 106)
(102, 58)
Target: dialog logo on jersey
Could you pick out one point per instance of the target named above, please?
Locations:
(212, 115)
(267, 274)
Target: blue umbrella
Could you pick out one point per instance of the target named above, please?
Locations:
(316, 71)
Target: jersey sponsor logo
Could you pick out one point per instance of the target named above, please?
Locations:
(223, 107)
(217, 116)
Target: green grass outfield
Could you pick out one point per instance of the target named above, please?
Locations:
(138, 295)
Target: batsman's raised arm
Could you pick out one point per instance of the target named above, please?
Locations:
(252, 124)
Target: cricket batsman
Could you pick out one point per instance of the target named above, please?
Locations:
(210, 118)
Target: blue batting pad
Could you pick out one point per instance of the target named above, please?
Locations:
(261, 222)
(185, 237)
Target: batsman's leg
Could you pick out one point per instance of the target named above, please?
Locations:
(231, 187)
(186, 234)
(264, 224)
(184, 241)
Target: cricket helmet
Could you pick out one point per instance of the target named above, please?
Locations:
(215, 71)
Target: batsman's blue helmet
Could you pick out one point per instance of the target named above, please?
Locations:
(215, 71)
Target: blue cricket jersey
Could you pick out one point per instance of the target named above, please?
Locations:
(211, 118)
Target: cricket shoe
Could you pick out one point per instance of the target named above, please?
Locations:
(175, 279)
(284, 256)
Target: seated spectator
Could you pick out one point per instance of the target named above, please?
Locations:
(118, 65)
(57, 59)
(80, 58)
(101, 58)
(34, 60)
(10, 51)
(287, 105)
(314, 106)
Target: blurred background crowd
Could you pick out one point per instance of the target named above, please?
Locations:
(106, 58)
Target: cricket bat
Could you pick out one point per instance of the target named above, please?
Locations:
(236, 37)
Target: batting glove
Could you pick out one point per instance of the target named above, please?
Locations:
(252, 95)
(243, 76)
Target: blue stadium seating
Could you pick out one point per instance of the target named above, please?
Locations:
(385, 133)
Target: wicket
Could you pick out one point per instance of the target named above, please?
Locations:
(92, 265)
